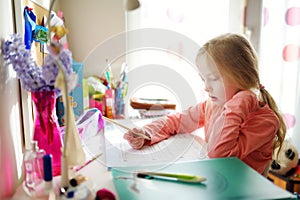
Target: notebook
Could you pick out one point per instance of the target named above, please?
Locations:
(181, 147)
(227, 178)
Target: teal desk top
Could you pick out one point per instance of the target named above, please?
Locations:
(227, 178)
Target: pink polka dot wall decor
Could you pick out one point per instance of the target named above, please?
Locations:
(292, 16)
(266, 16)
(291, 52)
(290, 120)
(176, 15)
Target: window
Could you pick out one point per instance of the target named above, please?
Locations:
(163, 38)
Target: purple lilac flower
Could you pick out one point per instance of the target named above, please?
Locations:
(50, 70)
(34, 78)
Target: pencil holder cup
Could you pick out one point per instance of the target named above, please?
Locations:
(119, 109)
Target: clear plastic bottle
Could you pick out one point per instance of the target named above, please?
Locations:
(33, 168)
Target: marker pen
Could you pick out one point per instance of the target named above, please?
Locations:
(46, 188)
(48, 176)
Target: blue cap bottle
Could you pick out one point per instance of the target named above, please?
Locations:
(47, 161)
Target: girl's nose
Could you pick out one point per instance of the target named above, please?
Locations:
(207, 88)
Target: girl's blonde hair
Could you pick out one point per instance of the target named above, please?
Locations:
(236, 60)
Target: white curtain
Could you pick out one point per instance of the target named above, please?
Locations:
(280, 60)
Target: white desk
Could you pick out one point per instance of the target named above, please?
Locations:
(96, 171)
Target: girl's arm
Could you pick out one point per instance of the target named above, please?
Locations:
(185, 122)
(245, 127)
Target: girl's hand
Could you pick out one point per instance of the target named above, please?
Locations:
(134, 138)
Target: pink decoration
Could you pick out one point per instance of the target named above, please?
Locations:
(175, 15)
(46, 127)
(266, 16)
(96, 104)
(178, 49)
(292, 16)
(290, 120)
(291, 52)
(105, 194)
(8, 167)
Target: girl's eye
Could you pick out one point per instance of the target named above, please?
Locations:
(210, 77)
(202, 78)
(214, 78)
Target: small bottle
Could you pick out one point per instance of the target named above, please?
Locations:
(33, 168)
(47, 172)
(45, 189)
(109, 103)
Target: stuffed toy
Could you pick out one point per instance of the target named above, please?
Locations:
(287, 159)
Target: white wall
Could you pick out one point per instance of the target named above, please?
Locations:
(10, 121)
(91, 22)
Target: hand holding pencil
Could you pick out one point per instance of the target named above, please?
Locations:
(136, 137)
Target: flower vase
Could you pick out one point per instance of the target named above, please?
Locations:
(46, 127)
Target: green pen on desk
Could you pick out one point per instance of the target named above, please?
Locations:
(186, 178)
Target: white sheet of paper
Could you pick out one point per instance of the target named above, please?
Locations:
(181, 147)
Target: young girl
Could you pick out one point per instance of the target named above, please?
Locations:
(240, 118)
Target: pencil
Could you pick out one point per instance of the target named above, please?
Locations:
(88, 162)
(125, 127)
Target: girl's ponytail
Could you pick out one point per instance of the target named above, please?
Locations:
(280, 135)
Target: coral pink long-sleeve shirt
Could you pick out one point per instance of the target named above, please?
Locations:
(240, 128)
